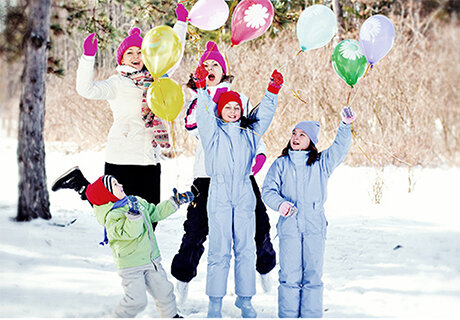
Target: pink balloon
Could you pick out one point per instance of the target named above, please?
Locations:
(250, 20)
(209, 14)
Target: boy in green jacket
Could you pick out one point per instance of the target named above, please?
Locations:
(128, 221)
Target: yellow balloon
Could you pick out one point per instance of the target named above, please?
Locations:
(165, 98)
(161, 50)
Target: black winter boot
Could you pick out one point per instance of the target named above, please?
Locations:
(72, 179)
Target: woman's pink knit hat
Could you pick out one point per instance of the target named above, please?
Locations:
(133, 40)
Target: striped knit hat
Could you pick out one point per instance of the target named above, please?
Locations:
(100, 191)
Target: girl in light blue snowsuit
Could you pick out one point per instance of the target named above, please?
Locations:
(296, 186)
(229, 151)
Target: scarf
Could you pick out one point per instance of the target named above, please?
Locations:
(120, 203)
(143, 80)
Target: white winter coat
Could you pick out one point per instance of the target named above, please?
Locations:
(129, 141)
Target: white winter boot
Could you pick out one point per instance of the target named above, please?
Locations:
(247, 310)
(181, 292)
(266, 282)
(215, 307)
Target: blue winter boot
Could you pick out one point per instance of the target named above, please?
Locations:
(215, 307)
(244, 303)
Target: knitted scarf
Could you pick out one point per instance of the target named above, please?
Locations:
(143, 80)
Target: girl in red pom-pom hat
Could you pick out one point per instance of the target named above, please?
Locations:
(230, 141)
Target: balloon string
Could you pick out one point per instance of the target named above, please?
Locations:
(296, 94)
(357, 143)
(226, 61)
(173, 136)
(348, 98)
(290, 60)
(194, 36)
(367, 69)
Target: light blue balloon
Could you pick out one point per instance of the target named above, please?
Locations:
(316, 26)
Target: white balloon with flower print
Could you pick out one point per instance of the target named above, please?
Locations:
(376, 38)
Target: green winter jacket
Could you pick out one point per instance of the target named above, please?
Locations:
(133, 242)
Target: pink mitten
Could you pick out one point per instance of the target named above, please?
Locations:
(218, 94)
(284, 208)
(181, 13)
(348, 116)
(90, 45)
(260, 160)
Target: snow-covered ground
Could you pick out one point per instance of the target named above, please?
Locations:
(400, 258)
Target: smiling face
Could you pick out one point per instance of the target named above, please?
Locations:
(299, 140)
(118, 189)
(231, 112)
(215, 72)
(133, 58)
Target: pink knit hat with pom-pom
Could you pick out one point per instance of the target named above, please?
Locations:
(213, 53)
(133, 40)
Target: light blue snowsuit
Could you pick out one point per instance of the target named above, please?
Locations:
(229, 151)
(302, 237)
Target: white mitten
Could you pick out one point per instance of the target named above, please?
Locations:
(287, 209)
(348, 116)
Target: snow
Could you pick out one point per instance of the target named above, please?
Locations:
(399, 258)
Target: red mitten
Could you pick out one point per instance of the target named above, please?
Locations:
(276, 81)
(200, 77)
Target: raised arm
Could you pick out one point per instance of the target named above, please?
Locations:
(267, 107)
(87, 88)
(337, 152)
(181, 29)
(205, 116)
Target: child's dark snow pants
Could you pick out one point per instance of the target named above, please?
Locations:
(185, 262)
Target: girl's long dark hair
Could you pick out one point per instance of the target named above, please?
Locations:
(248, 122)
(313, 155)
(191, 83)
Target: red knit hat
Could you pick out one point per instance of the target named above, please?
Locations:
(227, 97)
(100, 191)
(212, 53)
(133, 40)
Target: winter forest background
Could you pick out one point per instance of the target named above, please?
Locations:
(394, 237)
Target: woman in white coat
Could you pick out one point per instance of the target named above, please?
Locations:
(137, 136)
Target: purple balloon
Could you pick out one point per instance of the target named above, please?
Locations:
(376, 37)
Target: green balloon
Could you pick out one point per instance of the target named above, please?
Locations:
(349, 61)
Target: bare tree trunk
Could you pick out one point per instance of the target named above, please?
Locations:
(33, 199)
(339, 16)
